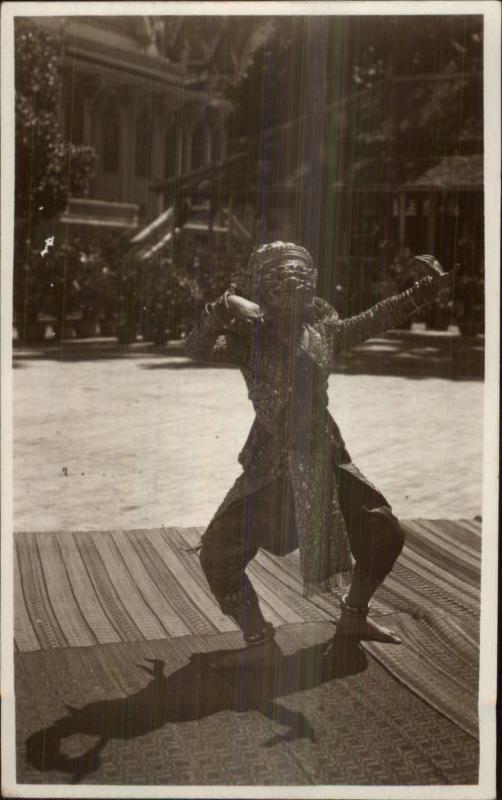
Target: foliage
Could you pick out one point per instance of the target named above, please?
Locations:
(383, 46)
(267, 93)
(76, 282)
(47, 169)
(386, 117)
(362, 51)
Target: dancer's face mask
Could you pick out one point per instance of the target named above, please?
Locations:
(289, 285)
(281, 277)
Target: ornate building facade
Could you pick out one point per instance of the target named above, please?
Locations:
(147, 93)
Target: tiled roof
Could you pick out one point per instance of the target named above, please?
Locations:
(454, 172)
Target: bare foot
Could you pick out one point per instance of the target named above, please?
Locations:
(364, 629)
(259, 655)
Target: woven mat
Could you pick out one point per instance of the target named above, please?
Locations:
(95, 588)
(154, 713)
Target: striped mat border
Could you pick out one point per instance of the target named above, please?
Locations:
(79, 589)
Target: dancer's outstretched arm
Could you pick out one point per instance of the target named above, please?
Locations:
(391, 311)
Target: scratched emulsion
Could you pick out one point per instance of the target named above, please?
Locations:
(49, 242)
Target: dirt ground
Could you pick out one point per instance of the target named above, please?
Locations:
(109, 438)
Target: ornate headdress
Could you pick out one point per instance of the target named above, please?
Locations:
(272, 259)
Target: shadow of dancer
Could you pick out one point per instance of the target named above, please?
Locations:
(193, 692)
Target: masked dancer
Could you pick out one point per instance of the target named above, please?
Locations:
(299, 486)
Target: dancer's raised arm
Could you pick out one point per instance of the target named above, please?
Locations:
(221, 334)
(390, 312)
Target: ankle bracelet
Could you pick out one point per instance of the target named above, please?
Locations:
(264, 635)
(354, 611)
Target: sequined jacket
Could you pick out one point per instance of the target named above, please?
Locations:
(293, 428)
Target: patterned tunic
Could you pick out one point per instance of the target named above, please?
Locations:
(293, 429)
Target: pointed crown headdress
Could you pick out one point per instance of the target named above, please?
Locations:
(274, 257)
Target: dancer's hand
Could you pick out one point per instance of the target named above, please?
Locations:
(244, 310)
(439, 276)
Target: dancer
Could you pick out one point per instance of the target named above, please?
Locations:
(299, 486)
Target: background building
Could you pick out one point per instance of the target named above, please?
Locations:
(361, 138)
(147, 93)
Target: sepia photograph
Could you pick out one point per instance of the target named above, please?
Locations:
(250, 328)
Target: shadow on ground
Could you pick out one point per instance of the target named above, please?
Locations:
(191, 693)
(101, 349)
(410, 354)
(423, 354)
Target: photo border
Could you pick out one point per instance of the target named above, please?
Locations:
(490, 10)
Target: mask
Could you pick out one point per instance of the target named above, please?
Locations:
(280, 274)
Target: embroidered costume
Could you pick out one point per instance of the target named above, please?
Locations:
(299, 487)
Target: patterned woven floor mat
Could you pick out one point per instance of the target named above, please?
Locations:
(85, 588)
(156, 713)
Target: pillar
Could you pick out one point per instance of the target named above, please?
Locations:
(431, 223)
(402, 221)
(157, 163)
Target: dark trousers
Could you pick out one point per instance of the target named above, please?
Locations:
(267, 519)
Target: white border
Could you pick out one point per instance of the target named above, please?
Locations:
(485, 790)
(491, 441)
(6, 516)
(254, 8)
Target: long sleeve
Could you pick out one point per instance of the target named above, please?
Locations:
(210, 340)
(379, 318)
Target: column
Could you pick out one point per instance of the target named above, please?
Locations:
(186, 158)
(402, 221)
(431, 222)
(157, 163)
(126, 100)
